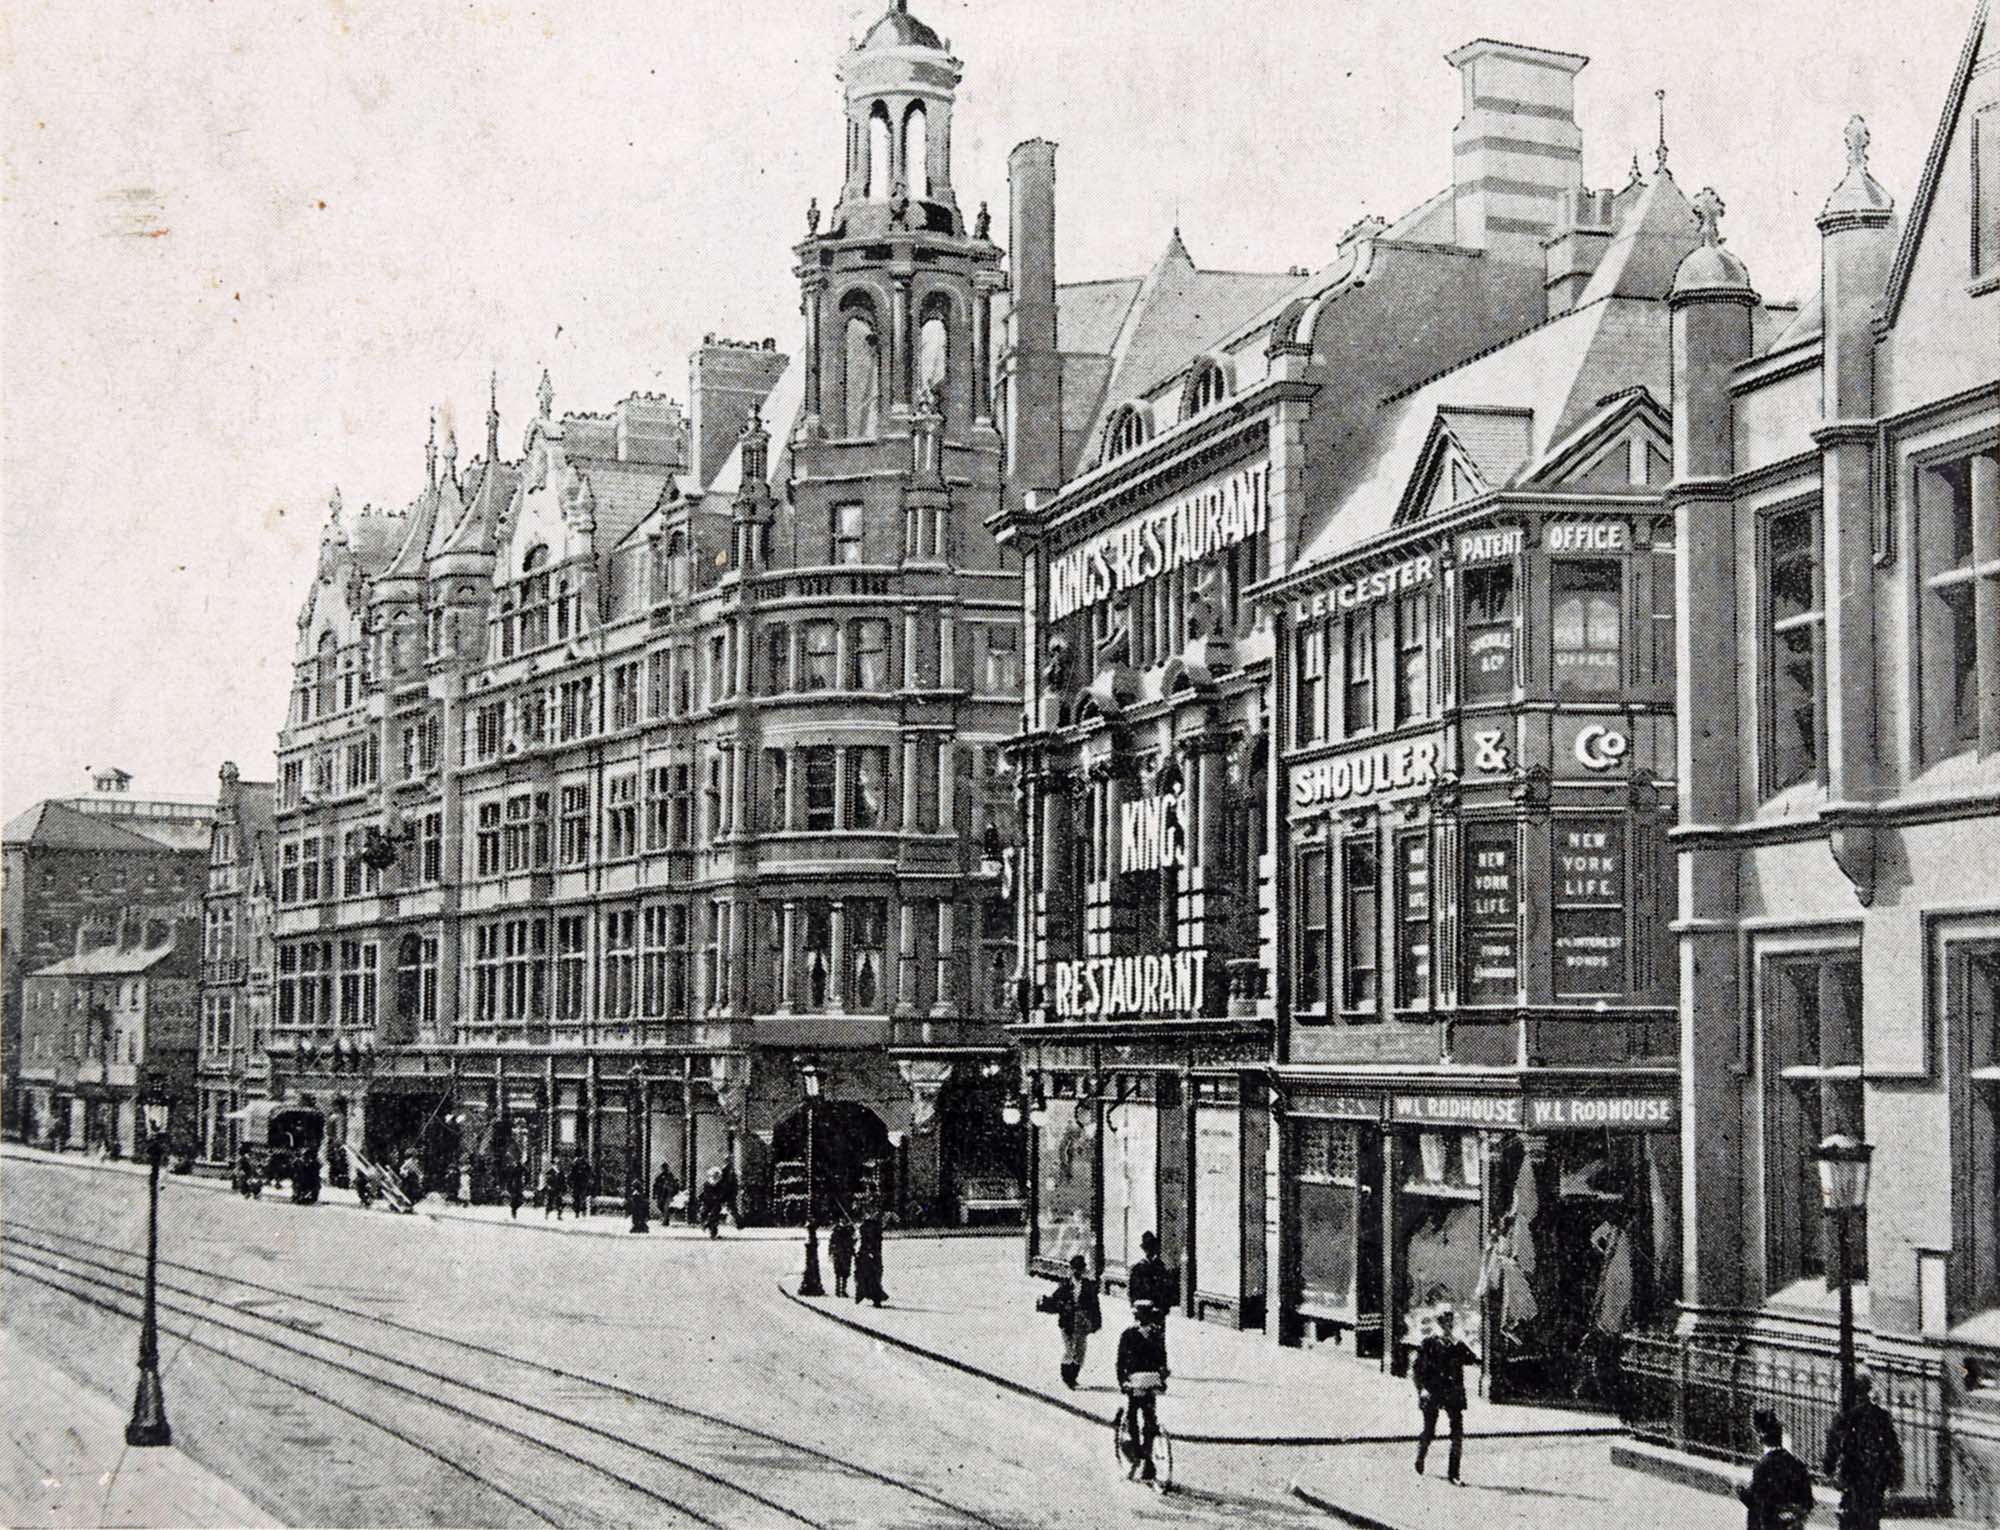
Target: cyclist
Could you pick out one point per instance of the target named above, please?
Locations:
(1142, 1376)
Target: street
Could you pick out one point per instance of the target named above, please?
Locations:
(350, 1368)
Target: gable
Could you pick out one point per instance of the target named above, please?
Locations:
(1637, 456)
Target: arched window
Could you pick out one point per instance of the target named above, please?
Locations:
(880, 153)
(677, 564)
(916, 151)
(934, 357)
(537, 557)
(1128, 432)
(861, 383)
(329, 670)
(1206, 386)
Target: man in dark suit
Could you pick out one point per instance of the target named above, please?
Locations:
(1864, 1456)
(1439, 1372)
(1779, 1494)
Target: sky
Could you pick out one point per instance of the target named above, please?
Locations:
(248, 246)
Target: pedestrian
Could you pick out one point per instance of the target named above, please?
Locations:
(840, 1248)
(711, 1202)
(636, 1204)
(579, 1184)
(1779, 1494)
(1864, 1457)
(1439, 1372)
(464, 1182)
(868, 1259)
(728, 1193)
(411, 1173)
(517, 1185)
(1078, 1316)
(552, 1191)
(1142, 1376)
(1150, 1280)
(665, 1188)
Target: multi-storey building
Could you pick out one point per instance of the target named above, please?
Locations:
(73, 861)
(233, 1067)
(623, 779)
(1185, 451)
(100, 1024)
(1838, 493)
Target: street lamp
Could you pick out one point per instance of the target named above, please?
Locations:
(1038, 1106)
(809, 1283)
(1843, 1191)
(149, 1404)
(635, 1187)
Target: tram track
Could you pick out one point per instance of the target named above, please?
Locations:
(283, 1320)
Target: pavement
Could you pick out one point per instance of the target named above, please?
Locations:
(69, 1463)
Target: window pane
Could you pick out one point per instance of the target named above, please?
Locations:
(1585, 622)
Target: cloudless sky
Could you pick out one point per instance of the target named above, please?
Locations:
(249, 246)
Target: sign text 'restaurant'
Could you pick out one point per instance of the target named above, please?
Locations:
(1100, 986)
(1193, 528)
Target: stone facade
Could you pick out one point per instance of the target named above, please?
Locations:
(233, 1067)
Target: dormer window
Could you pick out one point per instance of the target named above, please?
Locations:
(1207, 385)
(1127, 433)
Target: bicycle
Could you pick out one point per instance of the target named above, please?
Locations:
(1151, 1384)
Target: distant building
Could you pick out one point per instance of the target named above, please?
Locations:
(74, 861)
(236, 952)
(96, 1026)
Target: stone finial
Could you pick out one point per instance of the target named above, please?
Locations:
(1856, 134)
(982, 223)
(1660, 148)
(1859, 200)
(812, 217)
(450, 447)
(492, 417)
(1708, 211)
(545, 394)
(431, 452)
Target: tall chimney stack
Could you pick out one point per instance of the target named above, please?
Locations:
(1033, 365)
(1517, 153)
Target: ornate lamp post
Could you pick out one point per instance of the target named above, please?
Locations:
(809, 1283)
(1843, 1190)
(635, 1185)
(149, 1403)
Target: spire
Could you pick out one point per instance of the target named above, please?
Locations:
(1859, 195)
(1660, 150)
(492, 417)
(431, 454)
(545, 394)
(450, 447)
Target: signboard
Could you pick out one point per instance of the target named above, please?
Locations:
(1644, 1112)
(1588, 894)
(1492, 928)
(1587, 536)
(1152, 832)
(1217, 516)
(1346, 1105)
(1595, 746)
(1387, 768)
(1489, 662)
(1364, 589)
(1489, 546)
(1100, 987)
(1457, 1109)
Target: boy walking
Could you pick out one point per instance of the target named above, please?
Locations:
(1439, 1372)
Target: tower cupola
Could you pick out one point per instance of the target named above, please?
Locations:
(900, 80)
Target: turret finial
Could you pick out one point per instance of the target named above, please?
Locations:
(492, 416)
(1856, 134)
(1708, 211)
(450, 447)
(431, 453)
(1660, 150)
(545, 394)
(812, 217)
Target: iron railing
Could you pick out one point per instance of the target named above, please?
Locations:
(1698, 1395)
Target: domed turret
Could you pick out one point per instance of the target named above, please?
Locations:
(899, 29)
(899, 81)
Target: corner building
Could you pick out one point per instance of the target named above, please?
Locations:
(1837, 486)
(625, 778)
(1177, 444)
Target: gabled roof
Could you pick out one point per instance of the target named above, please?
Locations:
(1547, 385)
(52, 826)
(108, 961)
(1655, 234)
(1927, 183)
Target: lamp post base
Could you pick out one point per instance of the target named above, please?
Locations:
(149, 1413)
(809, 1283)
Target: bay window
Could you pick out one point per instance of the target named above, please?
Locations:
(867, 788)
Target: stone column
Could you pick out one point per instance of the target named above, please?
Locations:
(945, 958)
(836, 957)
(909, 648)
(909, 823)
(787, 960)
(947, 653)
(947, 786)
(811, 361)
(899, 358)
(982, 351)
(906, 958)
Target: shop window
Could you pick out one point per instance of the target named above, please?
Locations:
(1361, 923)
(1811, 1088)
(1955, 571)
(1586, 623)
(1312, 904)
(1972, 1009)
(1413, 655)
(1413, 921)
(1588, 896)
(868, 661)
(847, 533)
(819, 658)
(1359, 713)
(572, 966)
(1340, 1229)
(867, 788)
(777, 660)
(1492, 958)
(1309, 724)
(1795, 649)
(819, 766)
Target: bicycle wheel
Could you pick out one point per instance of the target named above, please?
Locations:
(1163, 1460)
(1118, 1440)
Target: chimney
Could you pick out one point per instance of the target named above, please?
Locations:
(1033, 366)
(727, 380)
(1572, 255)
(1517, 154)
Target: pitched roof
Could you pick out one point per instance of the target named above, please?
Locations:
(1090, 314)
(1655, 234)
(1181, 310)
(1927, 183)
(108, 961)
(52, 826)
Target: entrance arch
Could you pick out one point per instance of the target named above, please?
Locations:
(852, 1161)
